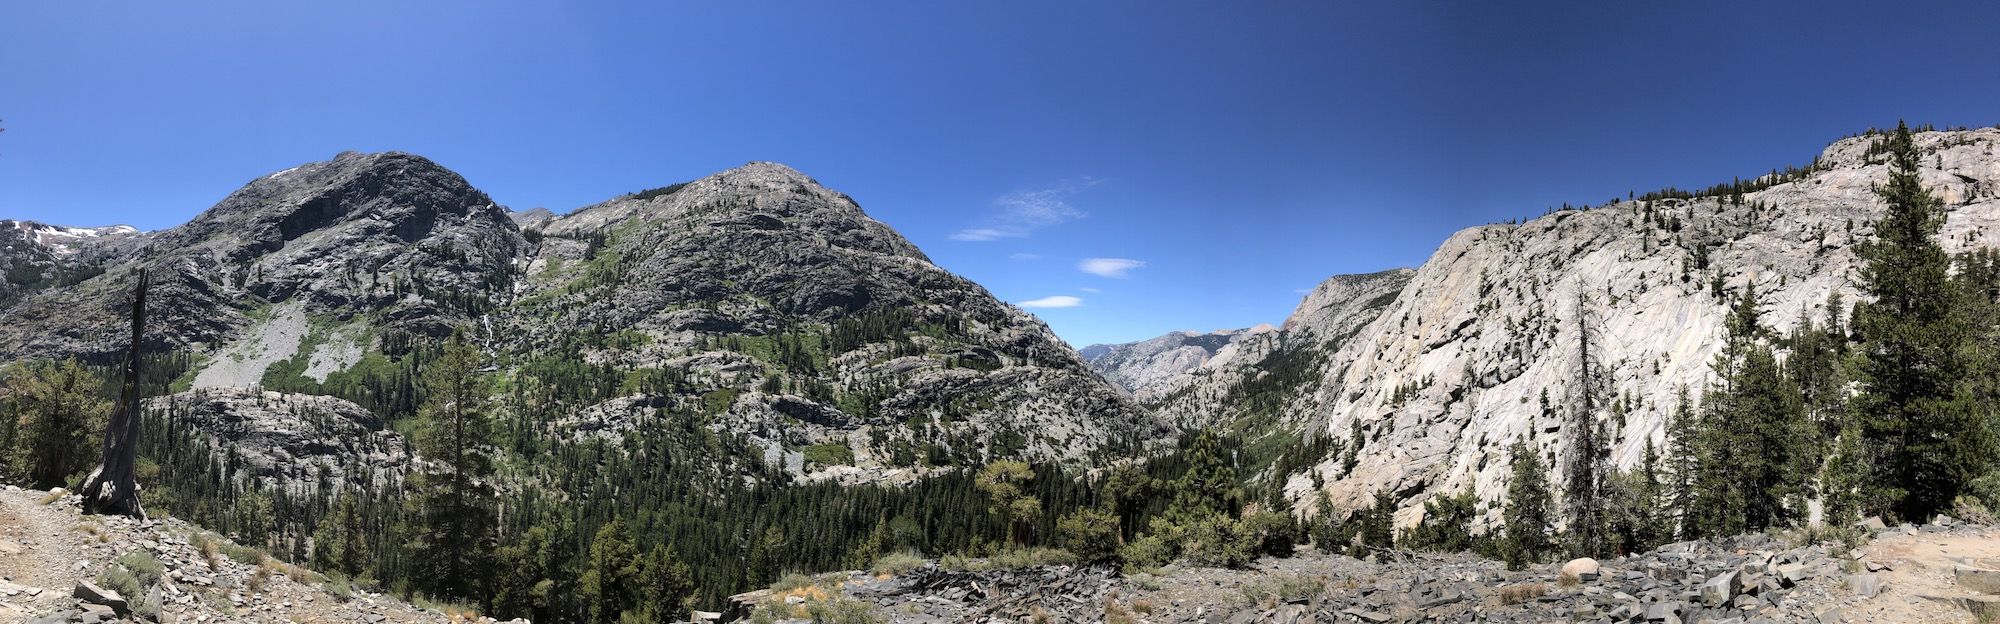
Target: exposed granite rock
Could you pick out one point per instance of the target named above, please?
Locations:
(1447, 378)
(1268, 362)
(289, 439)
(711, 270)
(770, 305)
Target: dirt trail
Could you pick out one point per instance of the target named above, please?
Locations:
(38, 554)
(1918, 580)
(47, 548)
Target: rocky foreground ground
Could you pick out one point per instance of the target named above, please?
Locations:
(54, 562)
(1932, 573)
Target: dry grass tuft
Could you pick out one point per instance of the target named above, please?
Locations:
(258, 580)
(1142, 605)
(1115, 613)
(1517, 594)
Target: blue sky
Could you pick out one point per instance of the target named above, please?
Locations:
(1215, 158)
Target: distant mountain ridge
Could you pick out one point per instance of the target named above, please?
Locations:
(1154, 367)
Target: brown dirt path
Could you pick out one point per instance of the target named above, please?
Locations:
(1919, 574)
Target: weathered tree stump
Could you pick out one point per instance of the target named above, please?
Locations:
(113, 488)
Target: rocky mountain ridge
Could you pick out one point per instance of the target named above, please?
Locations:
(1157, 366)
(755, 296)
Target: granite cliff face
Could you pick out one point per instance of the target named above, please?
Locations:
(1450, 372)
(1260, 372)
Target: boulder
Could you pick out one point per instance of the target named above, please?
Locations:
(1983, 608)
(1791, 574)
(1981, 580)
(1865, 585)
(1584, 569)
(1719, 590)
(1668, 611)
(92, 594)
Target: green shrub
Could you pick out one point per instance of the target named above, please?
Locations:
(898, 562)
(143, 565)
(1987, 490)
(1092, 535)
(242, 554)
(1145, 553)
(791, 581)
(1030, 557)
(132, 576)
(1215, 541)
(1267, 590)
(1269, 533)
(830, 455)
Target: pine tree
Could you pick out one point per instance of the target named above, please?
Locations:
(58, 407)
(1587, 453)
(452, 509)
(1529, 519)
(1843, 482)
(533, 578)
(662, 588)
(1447, 523)
(611, 573)
(1757, 451)
(340, 543)
(1928, 431)
(1378, 522)
(1005, 483)
(1634, 501)
(1682, 464)
(1126, 491)
(1204, 488)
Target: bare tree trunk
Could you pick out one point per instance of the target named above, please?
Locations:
(113, 488)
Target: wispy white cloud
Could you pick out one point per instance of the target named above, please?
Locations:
(980, 234)
(1109, 267)
(1090, 290)
(1016, 215)
(1057, 301)
(1024, 256)
(1302, 291)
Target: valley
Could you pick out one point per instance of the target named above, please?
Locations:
(373, 377)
